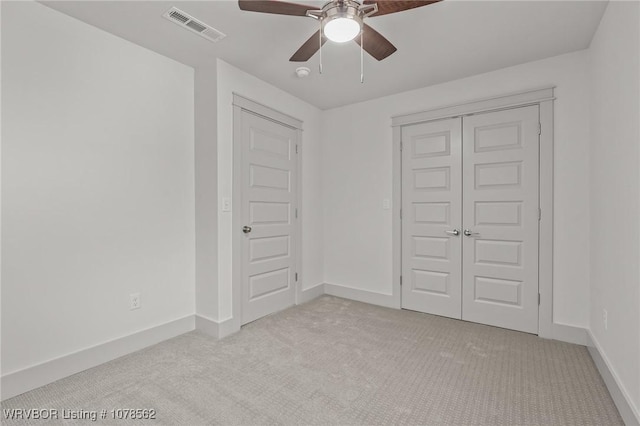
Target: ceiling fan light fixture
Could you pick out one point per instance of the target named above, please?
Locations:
(341, 29)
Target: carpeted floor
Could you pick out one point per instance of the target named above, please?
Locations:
(335, 361)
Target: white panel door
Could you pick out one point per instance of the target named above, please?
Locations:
(500, 218)
(269, 168)
(431, 216)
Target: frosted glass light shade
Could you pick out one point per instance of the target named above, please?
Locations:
(341, 30)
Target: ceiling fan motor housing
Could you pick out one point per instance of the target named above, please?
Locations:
(342, 9)
(350, 9)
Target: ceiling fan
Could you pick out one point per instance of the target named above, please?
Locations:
(340, 21)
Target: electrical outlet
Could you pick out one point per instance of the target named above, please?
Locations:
(605, 318)
(134, 301)
(226, 204)
(386, 204)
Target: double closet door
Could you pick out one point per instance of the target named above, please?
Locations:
(470, 215)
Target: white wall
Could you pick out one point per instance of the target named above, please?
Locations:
(232, 80)
(206, 190)
(615, 193)
(357, 174)
(97, 186)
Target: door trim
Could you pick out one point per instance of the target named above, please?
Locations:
(543, 97)
(240, 104)
(507, 101)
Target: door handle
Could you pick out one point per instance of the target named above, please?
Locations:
(246, 229)
(454, 232)
(468, 233)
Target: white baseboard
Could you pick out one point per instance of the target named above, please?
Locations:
(228, 327)
(309, 294)
(207, 326)
(562, 332)
(360, 295)
(216, 329)
(629, 412)
(42, 374)
(221, 329)
(569, 334)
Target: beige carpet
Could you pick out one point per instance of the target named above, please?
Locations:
(334, 361)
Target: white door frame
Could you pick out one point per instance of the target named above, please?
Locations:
(543, 97)
(241, 103)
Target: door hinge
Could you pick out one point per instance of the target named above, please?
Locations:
(400, 213)
(296, 148)
(538, 299)
(296, 212)
(400, 145)
(539, 128)
(539, 214)
(400, 279)
(296, 277)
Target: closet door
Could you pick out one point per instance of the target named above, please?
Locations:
(431, 210)
(500, 218)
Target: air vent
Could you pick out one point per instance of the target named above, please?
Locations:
(178, 16)
(187, 21)
(197, 26)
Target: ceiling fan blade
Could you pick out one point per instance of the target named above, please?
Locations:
(277, 7)
(309, 48)
(375, 44)
(386, 7)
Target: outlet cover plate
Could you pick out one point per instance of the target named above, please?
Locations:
(134, 301)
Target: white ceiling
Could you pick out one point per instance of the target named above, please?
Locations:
(437, 43)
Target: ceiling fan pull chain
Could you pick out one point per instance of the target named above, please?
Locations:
(361, 56)
(320, 38)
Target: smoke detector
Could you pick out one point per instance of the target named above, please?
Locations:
(303, 72)
(194, 25)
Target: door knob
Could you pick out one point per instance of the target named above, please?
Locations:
(454, 232)
(246, 229)
(468, 233)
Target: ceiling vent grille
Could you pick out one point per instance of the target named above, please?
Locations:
(187, 21)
